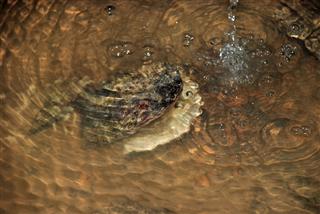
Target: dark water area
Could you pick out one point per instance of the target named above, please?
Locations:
(242, 137)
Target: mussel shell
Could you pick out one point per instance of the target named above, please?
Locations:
(119, 107)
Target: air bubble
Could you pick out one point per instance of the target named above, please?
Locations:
(147, 54)
(189, 93)
(267, 52)
(109, 9)
(295, 29)
(231, 17)
(214, 41)
(234, 3)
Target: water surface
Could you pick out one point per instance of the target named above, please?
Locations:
(254, 149)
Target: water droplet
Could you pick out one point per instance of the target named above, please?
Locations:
(109, 9)
(265, 62)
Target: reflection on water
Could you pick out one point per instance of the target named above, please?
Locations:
(254, 149)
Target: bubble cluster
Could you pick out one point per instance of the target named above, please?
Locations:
(301, 131)
(121, 49)
(239, 63)
(288, 51)
(187, 39)
(234, 58)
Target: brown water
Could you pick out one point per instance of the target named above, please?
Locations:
(254, 149)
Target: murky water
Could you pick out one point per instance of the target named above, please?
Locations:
(255, 148)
